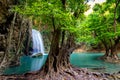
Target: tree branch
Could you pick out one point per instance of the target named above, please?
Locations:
(114, 25)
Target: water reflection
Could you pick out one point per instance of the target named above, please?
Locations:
(37, 63)
(27, 64)
(86, 60)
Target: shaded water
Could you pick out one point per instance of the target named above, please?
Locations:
(91, 61)
(27, 64)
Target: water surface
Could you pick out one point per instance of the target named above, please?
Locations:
(91, 61)
(27, 64)
(82, 60)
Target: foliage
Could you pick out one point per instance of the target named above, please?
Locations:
(97, 27)
(54, 14)
(101, 23)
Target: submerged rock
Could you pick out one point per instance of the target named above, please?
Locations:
(37, 55)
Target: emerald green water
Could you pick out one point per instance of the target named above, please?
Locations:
(91, 61)
(27, 64)
(82, 60)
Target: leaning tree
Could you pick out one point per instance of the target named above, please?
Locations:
(103, 24)
(13, 29)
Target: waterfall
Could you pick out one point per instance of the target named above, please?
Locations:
(38, 46)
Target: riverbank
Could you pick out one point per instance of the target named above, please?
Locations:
(84, 49)
(83, 75)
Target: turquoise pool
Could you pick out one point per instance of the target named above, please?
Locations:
(82, 60)
(91, 61)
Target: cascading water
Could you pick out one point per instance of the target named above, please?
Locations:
(29, 63)
(38, 46)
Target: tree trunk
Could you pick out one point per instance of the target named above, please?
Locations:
(58, 66)
(116, 41)
(107, 52)
(5, 22)
(12, 27)
(111, 51)
(28, 41)
(54, 51)
(114, 54)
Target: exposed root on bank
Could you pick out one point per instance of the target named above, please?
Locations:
(110, 59)
(63, 74)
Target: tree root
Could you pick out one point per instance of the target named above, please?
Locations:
(110, 59)
(66, 74)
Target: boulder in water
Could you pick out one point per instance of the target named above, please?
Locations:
(36, 55)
